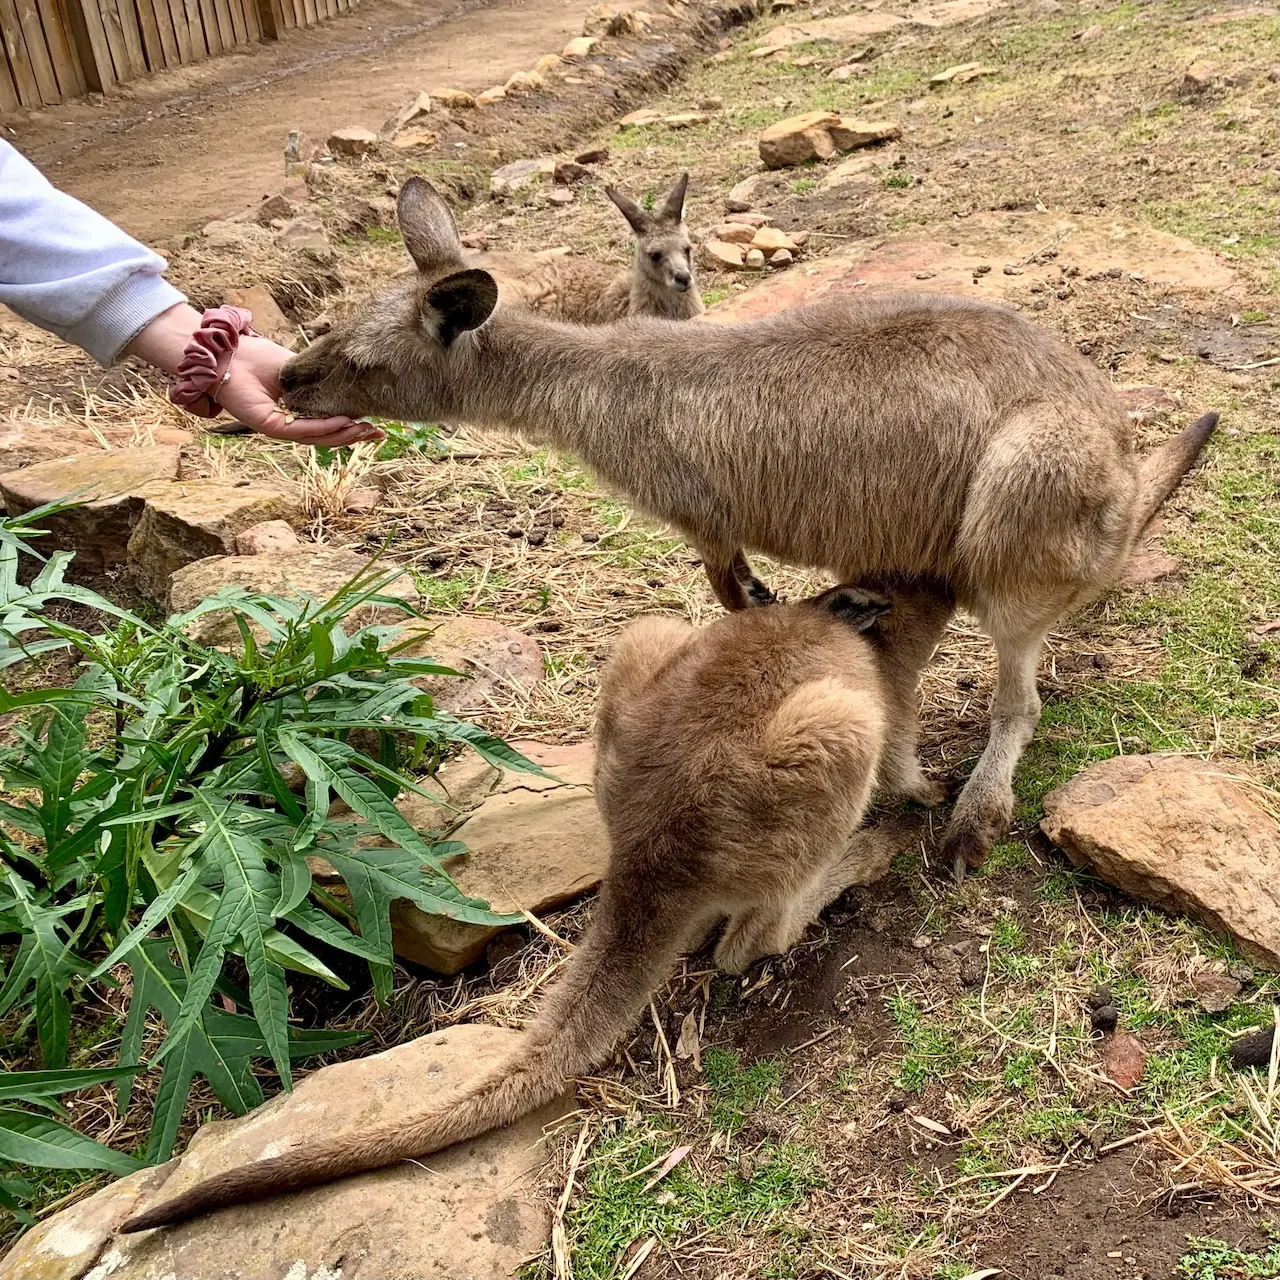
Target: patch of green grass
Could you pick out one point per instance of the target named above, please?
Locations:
(1240, 221)
(1254, 317)
(452, 592)
(932, 1050)
(1022, 1072)
(546, 465)
(736, 1091)
(899, 181)
(405, 439)
(1211, 1259)
(718, 293)
(802, 186)
(383, 235)
(615, 1209)
(1006, 855)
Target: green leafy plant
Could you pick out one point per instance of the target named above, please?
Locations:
(30, 1136)
(152, 795)
(1217, 1260)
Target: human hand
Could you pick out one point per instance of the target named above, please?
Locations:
(253, 389)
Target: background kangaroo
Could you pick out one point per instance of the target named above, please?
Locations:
(924, 446)
(661, 281)
(734, 765)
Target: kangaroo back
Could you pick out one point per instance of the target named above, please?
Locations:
(630, 947)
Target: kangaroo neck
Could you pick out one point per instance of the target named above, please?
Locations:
(581, 388)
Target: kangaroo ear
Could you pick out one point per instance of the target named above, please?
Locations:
(673, 209)
(853, 605)
(427, 224)
(633, 213)
(460, 302)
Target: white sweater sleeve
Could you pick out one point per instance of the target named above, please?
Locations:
(71, 271)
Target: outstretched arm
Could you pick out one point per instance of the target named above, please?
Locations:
(73, 272)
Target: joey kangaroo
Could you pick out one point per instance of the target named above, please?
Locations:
(734, 763)
(916, 444)
(661, 281)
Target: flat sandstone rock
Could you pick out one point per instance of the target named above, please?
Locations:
(1181, 834)
(470, 1211)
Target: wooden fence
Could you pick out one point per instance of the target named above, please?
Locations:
(60, 49)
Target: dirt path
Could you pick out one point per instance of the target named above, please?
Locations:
(199, 144)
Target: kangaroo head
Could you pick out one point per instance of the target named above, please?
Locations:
(402, 353)
(664, 252)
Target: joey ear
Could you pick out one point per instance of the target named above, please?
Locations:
(633, 213)
(460, 302)
(854, 606)
(426, 222)
(673, 209)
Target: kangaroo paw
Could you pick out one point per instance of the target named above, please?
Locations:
(758, 593)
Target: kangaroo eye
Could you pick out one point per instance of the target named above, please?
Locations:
(688, 251)
(655, 256)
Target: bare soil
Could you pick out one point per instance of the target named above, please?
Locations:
(168, 154)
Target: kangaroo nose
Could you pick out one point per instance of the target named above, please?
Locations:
(682, 280)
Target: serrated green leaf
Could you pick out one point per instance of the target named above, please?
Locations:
(25, 1086)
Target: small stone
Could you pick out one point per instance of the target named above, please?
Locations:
(520, 175)
(560, 196)
(363, 500)
(595, 155)
(490, 96)
(1176, 832)
(849, 134)
(797, 139)
(637, 119)
(1199, 77)
(580, 47)
(271, 537)
(781, 258)
(715, 103)
(754, 259)
(611, 21)
(734, 233)
(567, 172)
(353, 141)
(412, 138)
(753, 220)
(305, 235)
(111, 486)
(187, 521)
(1124, 1059)
(744, 194)
(685, 119)
(23, 444)
(273, 207)
(720, 253)
(1089, 33)
(420, 106)
(770, 239)
(225, 234)
(523, 82)
(548, 63)
(848, 70)
(299, 150)
(1216, 991)
(457, 99)
(268, 319)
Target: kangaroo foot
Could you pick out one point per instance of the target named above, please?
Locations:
(969, 839)
(758, 593)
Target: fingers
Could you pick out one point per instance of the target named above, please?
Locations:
(330, 432)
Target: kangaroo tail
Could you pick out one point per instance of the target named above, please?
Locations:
(1162, 471)
(630, 947)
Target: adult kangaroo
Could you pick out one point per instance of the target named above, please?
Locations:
(916, 444)
(734, 763)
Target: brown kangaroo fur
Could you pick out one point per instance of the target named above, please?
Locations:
(661, 282)
(734, 763)
(916, 444)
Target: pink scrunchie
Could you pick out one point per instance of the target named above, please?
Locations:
(208, 357)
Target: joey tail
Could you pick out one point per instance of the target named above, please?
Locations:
(630, 947)
(1162, 471)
